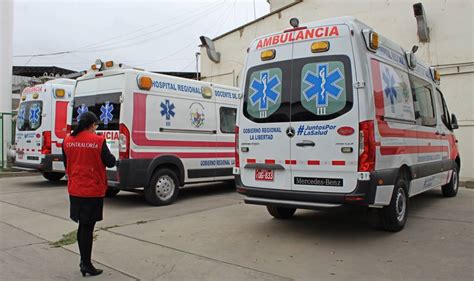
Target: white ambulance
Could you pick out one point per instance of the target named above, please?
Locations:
(41, 127)
(165, 131)
(332, 114)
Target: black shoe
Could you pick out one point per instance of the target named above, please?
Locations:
(89, 269)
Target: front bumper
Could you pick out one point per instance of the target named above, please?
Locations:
(364, 194)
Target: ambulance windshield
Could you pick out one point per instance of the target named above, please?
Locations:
(307, 89)
(105, 106)
(29, 115)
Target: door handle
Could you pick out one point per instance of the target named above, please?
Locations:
(305, 143)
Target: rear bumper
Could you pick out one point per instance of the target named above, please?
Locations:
(46, 164)
(364, 194)
(130, 174)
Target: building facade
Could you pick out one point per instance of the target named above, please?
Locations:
(450, 47)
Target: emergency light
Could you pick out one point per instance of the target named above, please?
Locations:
(60, 93)
(109, 63)
(206, 92)
(268, 54)
(23, 98)
(144, 82)
(374, 40)
(320, 47)
(98, 65)
(35, 95)
(435, 75)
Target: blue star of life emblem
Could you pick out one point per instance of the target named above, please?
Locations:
(167, 109)
(80, 110)
(106, 115)
(323, 85)
(389, 90)
(35, 114)
(264, 90)
(21, 115)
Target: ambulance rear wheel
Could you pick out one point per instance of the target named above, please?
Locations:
(451, 189)
(394, 216)
(53, 176)
(163, 188)
(111, 192)
(281, 212)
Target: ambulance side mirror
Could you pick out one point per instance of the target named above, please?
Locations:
(454, 122)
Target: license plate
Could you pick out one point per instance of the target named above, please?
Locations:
(264, 175)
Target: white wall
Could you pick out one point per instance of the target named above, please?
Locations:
(452, 42)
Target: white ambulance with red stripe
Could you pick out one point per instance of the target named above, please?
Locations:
(165, 131)
(332, 114)
(41, 127)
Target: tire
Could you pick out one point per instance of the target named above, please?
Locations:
(281, 212)
(163, 188)
(451, 189)
(394, 216)
(111, 192)
(53, 176)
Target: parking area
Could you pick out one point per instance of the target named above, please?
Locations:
(209, 234)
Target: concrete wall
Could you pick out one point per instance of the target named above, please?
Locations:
(451, 47)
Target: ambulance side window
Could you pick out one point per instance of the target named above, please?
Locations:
(424, 102)
(227, 117)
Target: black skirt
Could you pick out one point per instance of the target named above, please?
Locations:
(86, 210)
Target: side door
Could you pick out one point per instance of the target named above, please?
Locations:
(429, 146)
(225, 133)
(265, 157)
(324, 159)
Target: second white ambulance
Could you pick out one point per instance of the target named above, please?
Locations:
(333, 114)
(41, 127)
(165, 131)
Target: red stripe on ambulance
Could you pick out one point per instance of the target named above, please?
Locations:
(151, 155)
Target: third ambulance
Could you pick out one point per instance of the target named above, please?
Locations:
(165, 131)
(334, 113)
(41, 127)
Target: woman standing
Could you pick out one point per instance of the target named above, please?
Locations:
(85, 157)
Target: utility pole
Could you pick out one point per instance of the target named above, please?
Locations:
(6, 52)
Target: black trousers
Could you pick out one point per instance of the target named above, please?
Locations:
(85, 236)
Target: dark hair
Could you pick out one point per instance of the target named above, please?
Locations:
(86, 119)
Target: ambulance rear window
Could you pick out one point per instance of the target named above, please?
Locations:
(322, 88)
(105, 106)
(29, 116)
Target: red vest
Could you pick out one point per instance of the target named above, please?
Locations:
(85, 170)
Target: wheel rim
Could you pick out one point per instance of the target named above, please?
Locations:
(164, 187)
(401, 204)
(455, 180)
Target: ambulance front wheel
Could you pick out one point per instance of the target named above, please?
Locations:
(281, 212)
(451, 189)
(163, 188)
(53, 176)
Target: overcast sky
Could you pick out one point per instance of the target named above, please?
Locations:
(160, 35)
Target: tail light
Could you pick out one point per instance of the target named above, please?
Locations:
(68, 130)
(124, 142)
(46, 148)
(366, 146)
(237, 158)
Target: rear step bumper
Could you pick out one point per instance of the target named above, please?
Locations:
(363, 194)
(289, 203)
(46, 164)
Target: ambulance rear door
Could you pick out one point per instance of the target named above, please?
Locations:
(102, 96)
(265, 158)
(324, 113)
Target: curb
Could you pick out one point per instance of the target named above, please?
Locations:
(11, 174)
